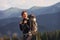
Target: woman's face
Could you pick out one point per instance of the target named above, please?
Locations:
(24, 15)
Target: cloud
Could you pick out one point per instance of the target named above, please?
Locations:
(25, 4)
(4, 4)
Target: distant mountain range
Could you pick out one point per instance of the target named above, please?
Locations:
(46, 10)
(49, 22)
(48, 18)
(16, 12)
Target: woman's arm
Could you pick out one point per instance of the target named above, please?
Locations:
(20, 26)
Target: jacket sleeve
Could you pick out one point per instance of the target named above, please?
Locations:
(20, 26)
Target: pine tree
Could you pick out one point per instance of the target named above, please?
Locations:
(14, 37)
(38, 36)
(6, 37)
(44, 36)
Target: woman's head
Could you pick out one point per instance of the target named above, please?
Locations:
(24, 14)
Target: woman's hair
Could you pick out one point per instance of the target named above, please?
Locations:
(23, 12)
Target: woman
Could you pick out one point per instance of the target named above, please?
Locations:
(28, 25)
(24, 25)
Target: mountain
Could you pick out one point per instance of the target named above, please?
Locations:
(13, 12)
(9, 24)
(6, 21)
(1, 14)
(48, 18)
(16, 12)
(57, 4)
(12, 27)
(46, 22)
(46, 10)
(49, 22)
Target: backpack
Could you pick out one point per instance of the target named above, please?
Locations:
(33, 23)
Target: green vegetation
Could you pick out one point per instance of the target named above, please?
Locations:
(54, 35)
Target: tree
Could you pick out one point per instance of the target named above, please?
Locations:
(14, 37)
(6, 37)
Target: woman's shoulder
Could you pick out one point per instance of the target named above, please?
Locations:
(20, 21)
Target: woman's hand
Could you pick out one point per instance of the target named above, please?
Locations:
(25, 21)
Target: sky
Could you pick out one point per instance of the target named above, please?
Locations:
(25, 4)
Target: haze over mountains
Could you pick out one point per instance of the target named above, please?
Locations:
(48, 18)
(15, 12)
